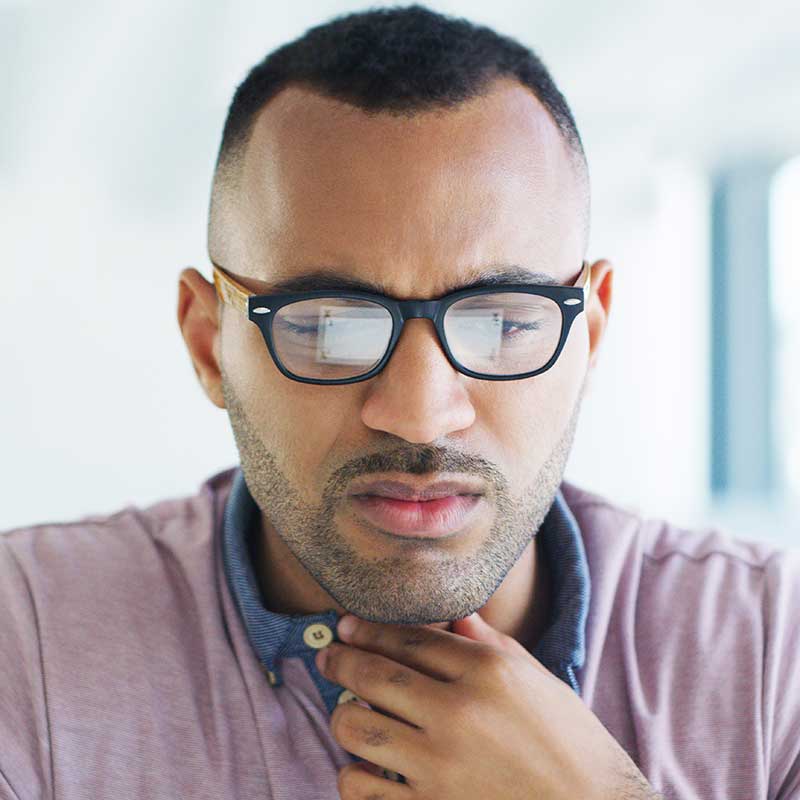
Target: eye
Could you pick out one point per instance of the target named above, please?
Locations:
(520, 326)
(300, 330)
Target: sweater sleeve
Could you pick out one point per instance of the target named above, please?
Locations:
(781, 685)
(24, 734)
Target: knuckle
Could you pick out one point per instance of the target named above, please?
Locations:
(350, 728)
(400, 677)
(497, 667)
(415, 637)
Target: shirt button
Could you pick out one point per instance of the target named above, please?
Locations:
(270, 674)
(346, 696)
(317, 635)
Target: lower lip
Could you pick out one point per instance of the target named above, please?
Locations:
(427, 519)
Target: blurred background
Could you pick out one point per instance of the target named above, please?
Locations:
(690, 116)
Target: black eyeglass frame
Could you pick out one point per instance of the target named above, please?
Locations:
(260, 309)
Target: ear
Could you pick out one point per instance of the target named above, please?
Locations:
(198, 318)
(598, 306)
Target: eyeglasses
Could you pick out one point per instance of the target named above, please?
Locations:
(335, 336)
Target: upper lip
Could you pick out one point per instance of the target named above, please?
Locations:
(407, 490)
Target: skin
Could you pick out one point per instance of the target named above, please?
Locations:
(419, 204)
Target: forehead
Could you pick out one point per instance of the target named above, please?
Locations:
(409, 201)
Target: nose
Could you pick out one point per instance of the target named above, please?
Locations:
(418, 395)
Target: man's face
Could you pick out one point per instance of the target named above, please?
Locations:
(419, 204)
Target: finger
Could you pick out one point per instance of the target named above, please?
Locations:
(387, 743)
(414, 698)
(440, 654)
(357, 781)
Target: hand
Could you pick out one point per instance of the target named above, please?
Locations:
(467, 714)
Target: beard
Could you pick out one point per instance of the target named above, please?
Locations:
(402, 587)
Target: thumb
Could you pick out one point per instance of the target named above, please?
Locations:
(476, 627)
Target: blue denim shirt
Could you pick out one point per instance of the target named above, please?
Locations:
(275, 636)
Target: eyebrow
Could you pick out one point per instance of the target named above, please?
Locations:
(325, 279)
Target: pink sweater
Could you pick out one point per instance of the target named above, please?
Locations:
(126, 673)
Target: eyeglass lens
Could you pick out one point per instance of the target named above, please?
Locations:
(502, 333)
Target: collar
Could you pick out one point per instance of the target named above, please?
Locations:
(274, 636)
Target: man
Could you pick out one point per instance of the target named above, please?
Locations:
(401, 326)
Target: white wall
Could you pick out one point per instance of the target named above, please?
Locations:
(112, 118)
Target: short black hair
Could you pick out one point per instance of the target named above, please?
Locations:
(400, 60)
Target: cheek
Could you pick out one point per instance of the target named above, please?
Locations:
(570, 369)
(244, 353)
(310, 421)
(529, 416)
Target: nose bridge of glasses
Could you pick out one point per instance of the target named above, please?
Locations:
(418, 309)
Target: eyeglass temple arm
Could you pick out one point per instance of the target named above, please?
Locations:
(233, 293)
(584, 281)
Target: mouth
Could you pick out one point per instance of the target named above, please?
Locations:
(406, 488)
(419, 519)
